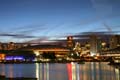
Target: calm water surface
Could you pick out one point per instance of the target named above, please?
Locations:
(57, 71)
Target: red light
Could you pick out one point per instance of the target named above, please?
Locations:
(69, 68)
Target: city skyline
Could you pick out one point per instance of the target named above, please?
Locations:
(25, 20)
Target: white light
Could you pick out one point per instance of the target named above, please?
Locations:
(37, 70)
(72, 54)
(36, 53)
(92, 54)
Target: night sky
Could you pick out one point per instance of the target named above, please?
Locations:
(24, 20)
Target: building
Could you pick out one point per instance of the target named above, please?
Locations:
(70, 42)
(39, 50)
(20, 55)
(114, 41)
(11, 46)
(93, 45)
(2, 56)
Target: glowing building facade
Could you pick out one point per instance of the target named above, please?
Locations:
(70, 42)
(93, 45)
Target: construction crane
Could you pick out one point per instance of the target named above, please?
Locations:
(107, 27)
(114, 41)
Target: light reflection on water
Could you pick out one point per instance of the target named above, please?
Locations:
(56, 71)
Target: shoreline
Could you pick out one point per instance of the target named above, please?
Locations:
(31, 62)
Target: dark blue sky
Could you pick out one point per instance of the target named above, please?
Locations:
(21, 20)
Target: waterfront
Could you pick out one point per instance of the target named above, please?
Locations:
(61, 71)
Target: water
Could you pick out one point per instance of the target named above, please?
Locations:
(57, 71)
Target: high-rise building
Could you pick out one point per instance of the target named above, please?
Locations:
(93, 45)
(114, 41)
(77, 48)
(70, 42)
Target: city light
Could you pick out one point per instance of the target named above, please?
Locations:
(36, 53)
(92, 54)
(14, 58)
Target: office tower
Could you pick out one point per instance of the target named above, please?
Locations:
(93, 45)
(114, 41)
(70, 42)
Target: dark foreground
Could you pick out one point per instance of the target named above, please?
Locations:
(18, 78)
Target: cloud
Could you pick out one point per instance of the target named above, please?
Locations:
(40, 39)
(30, 28)
(16, 35)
